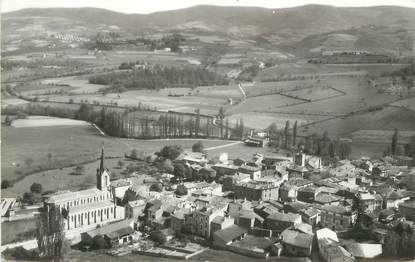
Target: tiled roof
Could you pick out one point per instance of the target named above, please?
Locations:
(230, 233)
(296, 238)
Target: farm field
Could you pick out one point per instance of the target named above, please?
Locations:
(11, 230)
(381, 136)
(302, 68)
(69, 146)
(40, 121)
(407, 103)
(388, 118)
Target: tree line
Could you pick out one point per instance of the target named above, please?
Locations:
(321, 145)
(158, 77)
(134, 122)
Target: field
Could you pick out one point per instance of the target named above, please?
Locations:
(32, 150)
(10, 230)
(41, 121)
(388, 118)
(407, 103)
(381, 136)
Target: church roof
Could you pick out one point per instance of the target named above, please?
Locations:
(69, 195)
(91, 206)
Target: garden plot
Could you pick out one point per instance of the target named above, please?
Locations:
(314, 93)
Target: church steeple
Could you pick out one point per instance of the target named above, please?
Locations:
(101, 165)
(103, 177)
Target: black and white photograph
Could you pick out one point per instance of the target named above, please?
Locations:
(207, 130)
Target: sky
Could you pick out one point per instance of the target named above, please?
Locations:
(149, 6)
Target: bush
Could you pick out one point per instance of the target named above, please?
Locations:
(181, 190)
(36, 188)
(166, 166)
(170, 152)
(158, 237)
(5, 184)
(29, 198)
(134, 153)
(78, 170)
(98, 242)
(198, 147)
(156, 187)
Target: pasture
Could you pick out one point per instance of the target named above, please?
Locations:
(41, 121)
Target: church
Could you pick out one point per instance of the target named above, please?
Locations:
(86, 209)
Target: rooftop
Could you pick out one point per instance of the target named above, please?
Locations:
(295, 238)
(112, 228)
(287, 217)
(408, 204)
(91, 206)
(230, 233)
(69, 195)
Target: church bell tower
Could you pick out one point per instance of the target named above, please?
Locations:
(103, 177)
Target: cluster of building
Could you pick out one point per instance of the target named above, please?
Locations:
(267, 206)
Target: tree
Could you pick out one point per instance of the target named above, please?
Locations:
(8, 121)
(157, 187)
(36, 188)
(158, 237)
(5, 184)
(99, 242)
(78, 170)
(394, 141)
(28, 161)
(295, 133)
(179, 171)
(208, 174)
(198, 147)
(50, 235)
(170, 152)
(273, 131)
(166, 166)
(49, 157)
(345, 150)
(134, 154)
(400, 150)
(286, 129)
(29, 198)
(181, 190)
(121, 163)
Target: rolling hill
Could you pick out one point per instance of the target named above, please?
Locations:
(299, 30)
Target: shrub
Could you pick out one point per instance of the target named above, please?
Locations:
(98, 242)
(181, 190)
(170, 152)
(156, 187)
(198, 147)
(5, 184)
(158, 237)
(29, 198)
(36, 188)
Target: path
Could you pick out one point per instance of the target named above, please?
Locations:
(223, 146)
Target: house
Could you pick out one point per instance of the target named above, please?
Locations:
(296, 243)
(307, 194)
(134, 209)
(249, 219)
(6, 206)
(119, 187)
(256, 141)
(256, 191)
(220, 222)
(153, 211)
(266, 209)
(364, 250)
(115, 234)
(372, 202)
(177, 220)
(407, 209)
(281, 221)
(225, 169)
(271, 162)
(224, 237)
(191, 158)
(310, 215)
(327, 199)
(237, 205)
(329, 247)
(337, 217)
(199, 221)
(253, 171)
(288, 193)
(394, 198)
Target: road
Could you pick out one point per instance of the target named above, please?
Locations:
(223, 146)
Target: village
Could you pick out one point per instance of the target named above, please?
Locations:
(292, 205)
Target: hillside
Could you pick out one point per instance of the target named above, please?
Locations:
(292, 23)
